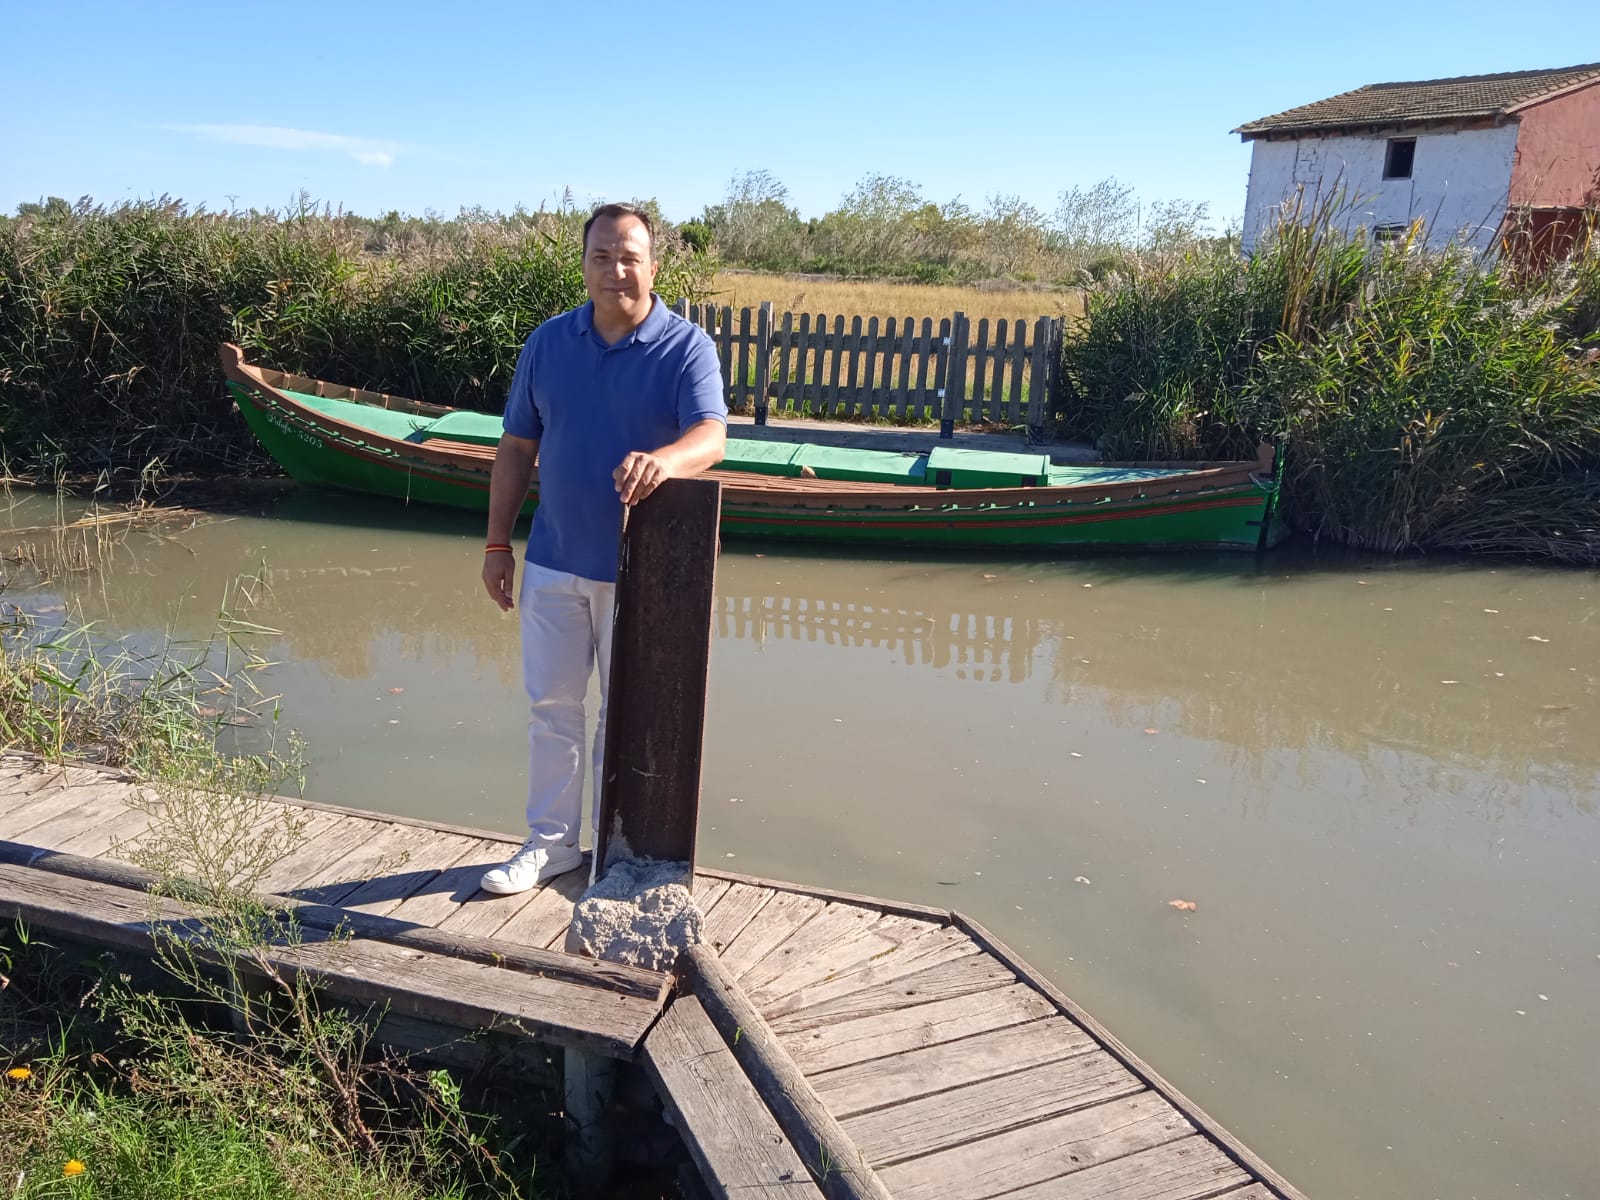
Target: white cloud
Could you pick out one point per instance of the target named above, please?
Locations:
(366, 151)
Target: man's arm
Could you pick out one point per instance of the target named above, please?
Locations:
(701, 447)
(508, 488)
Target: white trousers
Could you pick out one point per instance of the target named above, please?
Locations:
(566, 625)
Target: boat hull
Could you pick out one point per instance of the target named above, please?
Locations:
(1234, 513)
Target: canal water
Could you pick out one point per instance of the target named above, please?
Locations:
(1375, 782)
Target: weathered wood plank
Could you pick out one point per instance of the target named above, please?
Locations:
(724, 341)
(436, 987)
(869, 369)
(1038, 401)
(731, 1136)
(975, 972)
(854, 947)
(975, 1110)
(835, 362)
(42, 814)
(1190, 1169)
(378, 863)
(328, 839)
(802, 348)
(656, 710)
(908, 335)
(928, 950)
(733, 912)
(708, 891)
(939, 915)
(763, 380)
(880, 1036)
(768, 929)
(834, 933)
(543, 920)
(1027, 1157)
(120, 832)
(916, 1073)
(439, 897)
(784, 339)
(1019, 352)
(997, 389)
(1236, 1149)
(845, 401)
(979, 360)
(484, 913)
(930, 356)
(741, 389)
(425, 858)
(804, 1119)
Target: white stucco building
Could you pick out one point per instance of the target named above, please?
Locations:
(1457, 153)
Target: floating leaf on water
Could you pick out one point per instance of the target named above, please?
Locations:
(1183, 905)
(1080, 879)
(989, 577)
(1492, 610)
(1152, 731)
(395, 691)
(1534, 637)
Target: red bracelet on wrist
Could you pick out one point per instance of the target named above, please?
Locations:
(497, 547)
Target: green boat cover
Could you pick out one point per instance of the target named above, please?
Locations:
(862, 466)
(481, 429)
(761, 458)
(950, 467)
(377, 420)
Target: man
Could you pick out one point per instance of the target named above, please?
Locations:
(612, 398)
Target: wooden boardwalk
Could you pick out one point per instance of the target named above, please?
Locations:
(954, 1071)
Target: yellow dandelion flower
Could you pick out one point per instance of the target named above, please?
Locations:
(19, 1074)
(72, 1167)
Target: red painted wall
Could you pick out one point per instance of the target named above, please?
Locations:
(1558, 152)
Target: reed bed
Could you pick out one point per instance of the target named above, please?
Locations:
(110, 318)
(1426, 401)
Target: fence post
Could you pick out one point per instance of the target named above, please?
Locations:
(763, 360)
(955, 377)
(1041, 373)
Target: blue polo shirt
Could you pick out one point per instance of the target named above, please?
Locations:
(590, 405)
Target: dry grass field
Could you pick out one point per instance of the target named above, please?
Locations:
(881, 298)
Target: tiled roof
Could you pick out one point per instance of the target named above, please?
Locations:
(1426, 100)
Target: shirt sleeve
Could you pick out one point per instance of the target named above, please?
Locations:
(522, 416)
(700, 389)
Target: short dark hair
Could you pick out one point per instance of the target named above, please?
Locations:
(616, 212)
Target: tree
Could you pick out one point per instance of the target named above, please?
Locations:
(1099, 218)
(754, 224)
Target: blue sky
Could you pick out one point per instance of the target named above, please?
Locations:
(415, 106)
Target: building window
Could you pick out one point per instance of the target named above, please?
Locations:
(1398, 158)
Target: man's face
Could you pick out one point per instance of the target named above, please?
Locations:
(617, 268)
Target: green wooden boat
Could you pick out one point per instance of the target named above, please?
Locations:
(386, 445)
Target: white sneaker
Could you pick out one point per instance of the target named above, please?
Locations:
(531, 866)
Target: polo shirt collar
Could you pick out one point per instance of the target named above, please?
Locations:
(653, 326)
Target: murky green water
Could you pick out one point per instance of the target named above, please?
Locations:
(1378, 784)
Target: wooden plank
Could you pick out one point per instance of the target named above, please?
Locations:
(768, 929)
(543, 920)
(1038, 401)
(997, 385)
(845, 404)
(989, 1106)
(46, 806)
(885, 1081)
(848, 1042)
(743, 388)
(725, 345)
(927, 950)
(832, 924)
(785, 338)
(733, 1139)
(402, 979)
(660, 651)
(1208, 1125)
(908, 336)
(869, 368)
(708, 891)
(980, 360)
(120, 833)
(930, 355)
(485, 913)
(835, 362)
(1191, 1169)
(804, 1119)
(327, 841)
(447, 891)
(733, 912)
(953, 376)
(1047, 1151)
(940, 916)
(975, 972)
(802, 346)
(425, 860)
(1019, 352)
(843, 939)
(763, 379)
(375, 865)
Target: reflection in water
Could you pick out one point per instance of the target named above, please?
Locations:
(1378, 781)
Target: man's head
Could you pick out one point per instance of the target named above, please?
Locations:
(619, 263)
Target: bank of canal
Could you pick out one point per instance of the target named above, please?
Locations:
(1378, 783)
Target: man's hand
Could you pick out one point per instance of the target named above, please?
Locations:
(499, 575)
(640, 474)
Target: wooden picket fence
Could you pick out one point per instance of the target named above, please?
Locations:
(905, 370)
